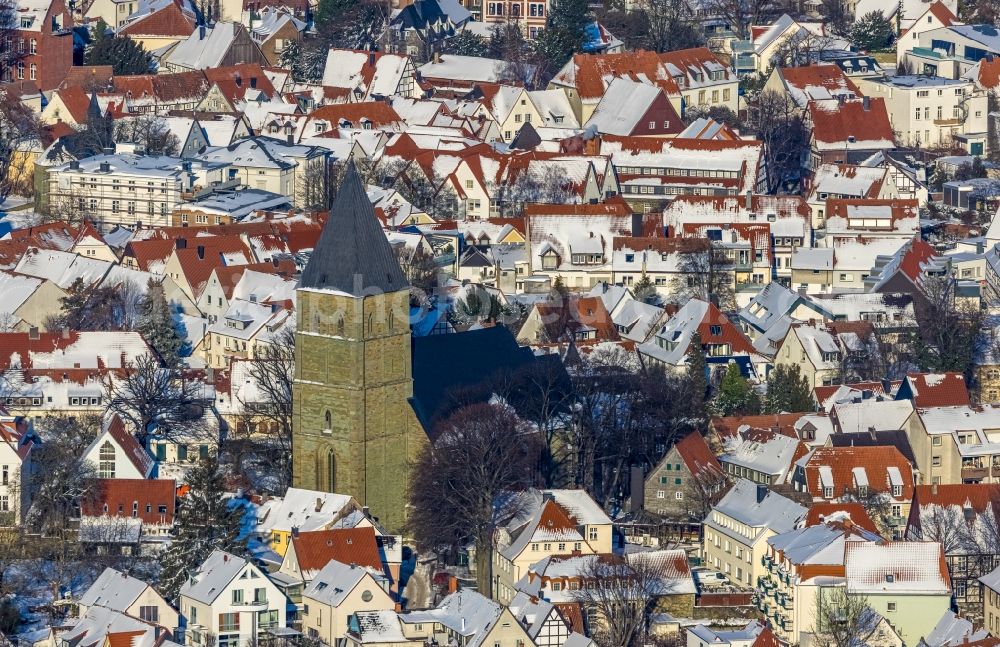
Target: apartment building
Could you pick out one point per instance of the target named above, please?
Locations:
(129, 190)
(737, 530)
(933, 111)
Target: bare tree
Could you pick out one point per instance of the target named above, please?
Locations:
(843, 620)
(466, 481)
(617, 593)
(778, 123)
(156, 400)
(949, 328)
(148, 132)
(740, 15)
(708, 275)
(20, 129)
(266, 403)
(878, 506)
(59, 483)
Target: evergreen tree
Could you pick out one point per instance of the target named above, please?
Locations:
(564, 32)
(205, 521)
(123, 54)
(465, 43)
(735, 397)
(697, 374)
(645, 291)
(156, 323)
(788, 391)
(872, 32)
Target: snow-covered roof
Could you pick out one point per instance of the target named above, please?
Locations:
(305, 510)
(114, 590)
(758, 510)
(335, 581)
(910, 567)
(213, 575)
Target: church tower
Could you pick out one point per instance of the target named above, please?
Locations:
(354, 431)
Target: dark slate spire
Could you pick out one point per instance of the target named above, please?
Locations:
(352, 254)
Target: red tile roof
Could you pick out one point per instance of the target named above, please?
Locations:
(235, 80)
(938, 389)
(315, 549)
(828, 76)
(979, 496)
(118, 497)
(152, 250)
(134, 451)
(697, 455)
(583, 312)
(876, 461)
(170, 21)
(379, 113)
(729, 427)
(900, 209)
(851, 119)
(660, 245)
(989, 72)
(76, 102)
(204, 254)
(19, 346)
(914, 259)
(859, 516)
(123, 638)
(728, 332)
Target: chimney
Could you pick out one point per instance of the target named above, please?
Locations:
(33, 333)
(748, 201)
(295, 531)
(65, 333)
(239, 80)
(761, 492)
(371, 58)
(866, 102)
(201, 32)
(319, 503)
(225, 557)
(201, 252)
(934, 489)
(253, 81)
(365, 511)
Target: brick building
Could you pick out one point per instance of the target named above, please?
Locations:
(43, 37)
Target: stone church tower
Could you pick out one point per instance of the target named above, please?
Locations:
(354, 430)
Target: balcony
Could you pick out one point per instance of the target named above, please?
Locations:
(954, 121)
(974, 472)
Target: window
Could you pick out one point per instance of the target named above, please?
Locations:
(227, 621)
(828, 492)
(106, 462)
(237, 596)
(652, 125)
(891, 606)
(935, 461)
(260, 595)
(149, 614)
(592, 534)
(936, 441)
(5, 475)
(33, 71)
(660, 494)
(679, 496)
(897, 491)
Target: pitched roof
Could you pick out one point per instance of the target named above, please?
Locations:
(817, 82)
(821, 510)
(134, 451)
(353, 255)
(731, 425)
(697, 455)
(315, 549)
(114, 590)
(935, 390)
(170, 20)
(879, 468)
(897, 567)
(851, 125)
(378, 113)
